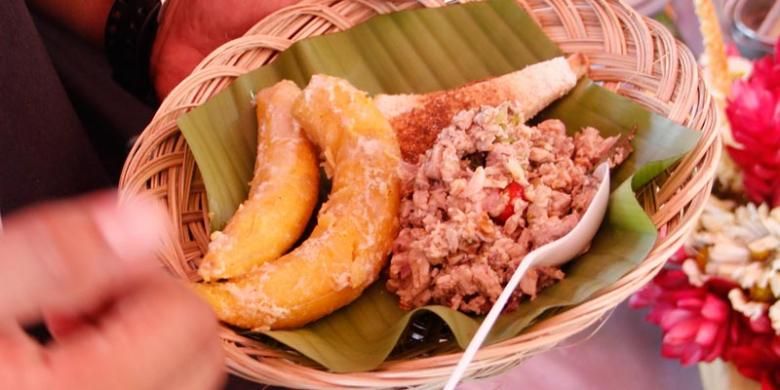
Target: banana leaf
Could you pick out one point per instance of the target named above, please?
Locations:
(420, 51)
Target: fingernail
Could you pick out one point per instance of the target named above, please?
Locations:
(134, 229)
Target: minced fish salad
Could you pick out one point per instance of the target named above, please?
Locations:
(489, 191)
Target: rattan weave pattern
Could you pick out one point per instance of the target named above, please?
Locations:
(634, 56)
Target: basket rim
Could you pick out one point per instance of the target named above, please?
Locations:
(392, 373)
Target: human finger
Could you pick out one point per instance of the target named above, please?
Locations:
(157, 329)
(69, 255)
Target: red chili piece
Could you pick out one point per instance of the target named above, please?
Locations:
(514, 190)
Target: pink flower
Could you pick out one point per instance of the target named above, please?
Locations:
(766, 71)
(754, 114)
(696, 321)
(699, 325)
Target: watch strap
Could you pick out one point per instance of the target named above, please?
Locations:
(129, 36)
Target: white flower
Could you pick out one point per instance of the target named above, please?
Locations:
(728, 174)
(753, 274)
(765, 244)
(694, 274)
(725, 251)
(740, 303)
(742, 244)
(774, 278)
(714, 219)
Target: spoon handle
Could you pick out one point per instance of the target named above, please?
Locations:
(489, 321)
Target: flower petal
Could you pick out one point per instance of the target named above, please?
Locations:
(691, 355)
(690, 303)
(670, 318)
(708, 331)
(714, 309)
(683, 332)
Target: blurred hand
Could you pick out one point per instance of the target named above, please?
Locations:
(87, 268)
(191, 29)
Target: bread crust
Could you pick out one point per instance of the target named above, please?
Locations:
(417, 119)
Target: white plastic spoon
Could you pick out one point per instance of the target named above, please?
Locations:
(554, 253)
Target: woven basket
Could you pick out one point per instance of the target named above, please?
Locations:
(633, 56)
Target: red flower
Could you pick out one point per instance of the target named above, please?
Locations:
(754, 114)
(766, 71)
(699, 325)
(696, 320)
(755, 351)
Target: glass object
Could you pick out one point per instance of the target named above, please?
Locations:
(755, 26)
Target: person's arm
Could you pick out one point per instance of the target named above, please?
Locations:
(191, 29)
(188, 31)
(86, 18)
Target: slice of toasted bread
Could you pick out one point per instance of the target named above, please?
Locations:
(417, 119)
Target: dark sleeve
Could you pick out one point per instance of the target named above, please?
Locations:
(44, 149)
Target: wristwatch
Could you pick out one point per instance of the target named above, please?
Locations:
(129, 36)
